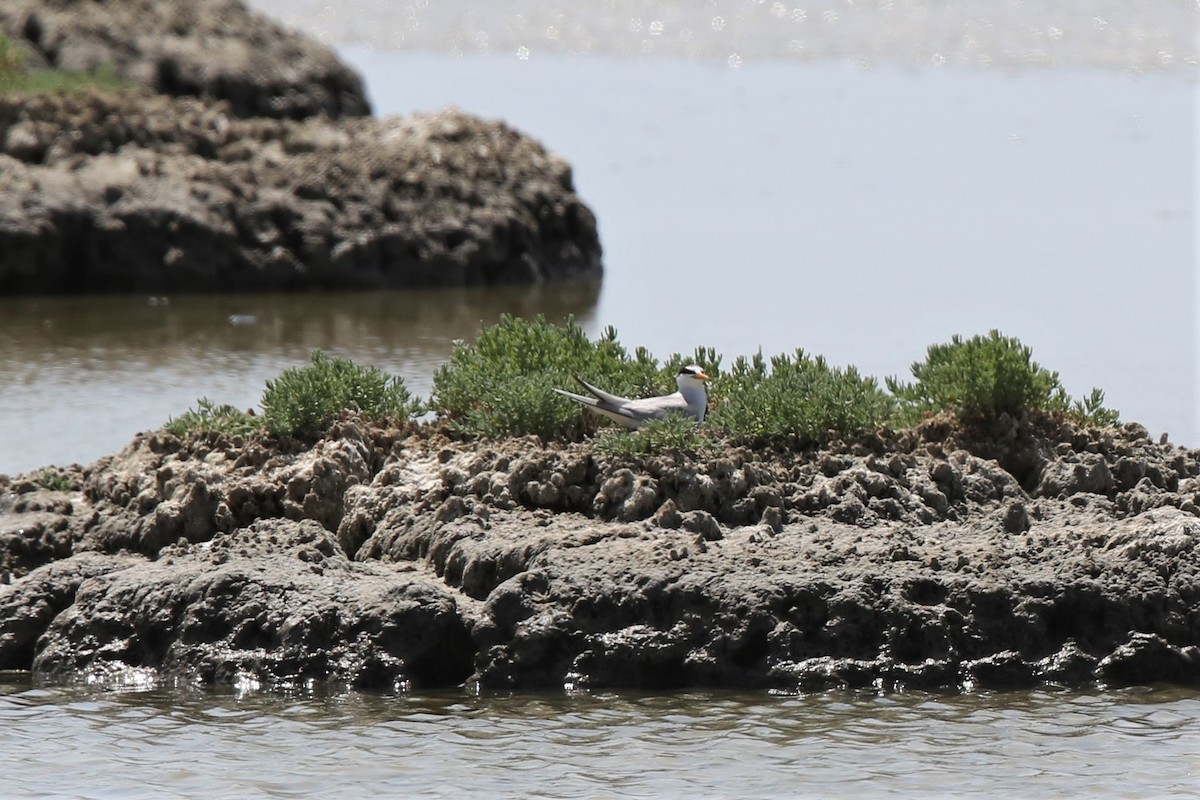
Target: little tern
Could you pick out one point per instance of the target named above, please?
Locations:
(691, 400)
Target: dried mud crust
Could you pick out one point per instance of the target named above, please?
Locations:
(1026, 553)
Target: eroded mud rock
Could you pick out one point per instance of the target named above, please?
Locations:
(276, 602)
(34, 528)
(245, 164)
(387, 557)
(216, 49)
(136, 192)
(30, 605)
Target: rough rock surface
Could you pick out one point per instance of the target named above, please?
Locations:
(215, 49)
(130, 191)
(1030, 553)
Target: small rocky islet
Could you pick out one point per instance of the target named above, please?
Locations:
(1033, 552)
(239, 157)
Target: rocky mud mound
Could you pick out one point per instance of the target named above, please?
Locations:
(1024, 554)
(127, 192)
(241, 161)
(215, 49)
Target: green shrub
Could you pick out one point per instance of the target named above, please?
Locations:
(16, 77)
(986, 376)
(303, 401)
(796, 396)
(503, 383)
(54, 480)
(1091, 411)
(677, 433)
(209, 417)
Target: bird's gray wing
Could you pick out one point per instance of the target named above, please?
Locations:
(611, 399)
(615, 412)
(656, 407)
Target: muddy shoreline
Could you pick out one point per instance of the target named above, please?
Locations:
(1031, 553)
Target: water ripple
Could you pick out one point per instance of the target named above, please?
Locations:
(88, 744)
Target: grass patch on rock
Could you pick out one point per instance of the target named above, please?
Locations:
(54, 480)
(676, 433)
(210, 417)
(16, 77)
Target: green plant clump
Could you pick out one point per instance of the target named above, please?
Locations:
(16, 77)
(1092, 411)
(986, 376)
(797, 396)
(210, 417)
(503, 383)
(676, 433)
(303, 401)
(54, 480)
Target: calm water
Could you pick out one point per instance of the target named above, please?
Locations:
(89, 744)
(79, 376)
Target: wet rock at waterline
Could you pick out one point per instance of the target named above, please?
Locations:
(384, 558)
(274, 601)
(134, 192)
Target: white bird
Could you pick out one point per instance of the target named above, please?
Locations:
(691, 399)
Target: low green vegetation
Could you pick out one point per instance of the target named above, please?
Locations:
(502, 384)
(796, 396)
(986, 376)
(303, 401)
(54, 480)
(676, 433)
(17, 77)
(210, 417)
(1091, 410)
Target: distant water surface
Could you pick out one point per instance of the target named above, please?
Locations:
(80, 375)
(1150, 35)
